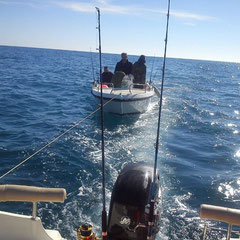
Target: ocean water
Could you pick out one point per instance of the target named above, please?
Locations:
(43, 92)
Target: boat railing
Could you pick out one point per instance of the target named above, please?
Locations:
(19, 193)
(228, 215)
(144, 86)
(98, 85)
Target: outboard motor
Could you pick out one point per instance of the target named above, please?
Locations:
(129, 207)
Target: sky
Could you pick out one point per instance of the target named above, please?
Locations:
(198, 29)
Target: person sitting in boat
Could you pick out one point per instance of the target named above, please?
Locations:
(139, 70)
(124, 65)
(107, 75)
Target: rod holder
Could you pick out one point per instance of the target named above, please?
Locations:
(34, 210)
(204, 232)
(229, 231)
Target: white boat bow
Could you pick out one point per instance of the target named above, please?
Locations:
(135, 99)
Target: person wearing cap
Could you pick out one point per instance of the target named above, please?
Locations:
(124, 65)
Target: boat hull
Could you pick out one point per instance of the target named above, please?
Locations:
(125, 103)
(131, 107)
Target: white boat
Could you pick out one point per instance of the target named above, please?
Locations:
(134, 99)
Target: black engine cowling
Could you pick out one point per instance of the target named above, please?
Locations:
(129, 207)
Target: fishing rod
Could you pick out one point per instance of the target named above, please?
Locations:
(93, 75)
(104, 212)
(152, 70)
(152, 203)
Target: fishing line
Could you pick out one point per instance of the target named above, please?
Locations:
(150, 223)
(55, 139)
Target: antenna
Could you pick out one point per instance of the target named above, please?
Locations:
(152, 69)
(104, 213)
(93, 75)
(150, 222)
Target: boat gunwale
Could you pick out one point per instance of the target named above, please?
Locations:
(121, 99)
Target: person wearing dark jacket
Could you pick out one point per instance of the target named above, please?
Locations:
(107, 75)
(124, 65)
(139, 70)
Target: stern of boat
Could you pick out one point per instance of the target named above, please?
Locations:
(21, 227)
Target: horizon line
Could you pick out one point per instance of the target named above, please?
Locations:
(75, 50)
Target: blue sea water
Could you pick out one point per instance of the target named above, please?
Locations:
(43, 92)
